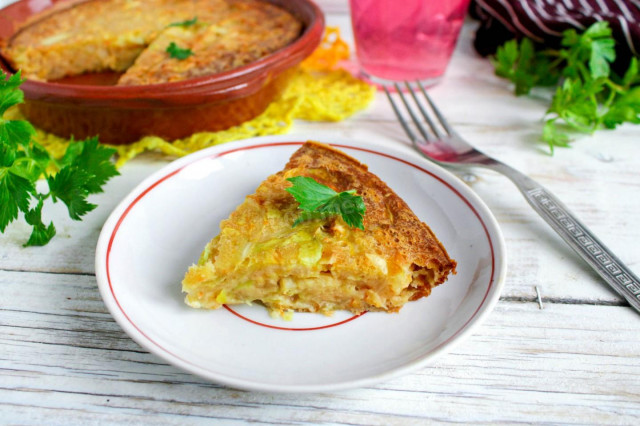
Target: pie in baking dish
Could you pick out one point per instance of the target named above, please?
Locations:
(132, 36)
(320, 265)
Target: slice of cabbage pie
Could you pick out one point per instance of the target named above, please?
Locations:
(321, 264)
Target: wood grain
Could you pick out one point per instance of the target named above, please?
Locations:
(63, 356)
(63, 359)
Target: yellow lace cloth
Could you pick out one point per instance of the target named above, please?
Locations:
(318, 92)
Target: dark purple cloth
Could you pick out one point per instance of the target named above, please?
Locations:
(544, 21)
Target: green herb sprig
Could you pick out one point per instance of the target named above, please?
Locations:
(177, 52)
(588, 96)
(83, 170)
(320, 201)
(184, 24)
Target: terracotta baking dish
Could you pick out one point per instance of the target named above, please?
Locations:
(89, 105)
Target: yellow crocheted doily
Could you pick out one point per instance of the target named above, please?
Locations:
(318, 92)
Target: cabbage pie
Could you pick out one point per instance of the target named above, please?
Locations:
(320, 265)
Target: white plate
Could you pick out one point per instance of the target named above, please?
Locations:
(160, 228)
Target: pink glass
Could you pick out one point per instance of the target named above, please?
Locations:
(408, 39)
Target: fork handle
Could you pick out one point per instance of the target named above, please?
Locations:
(577, 235)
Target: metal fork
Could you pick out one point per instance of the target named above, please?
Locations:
(443, 145)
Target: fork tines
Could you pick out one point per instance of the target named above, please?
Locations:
(438, 125)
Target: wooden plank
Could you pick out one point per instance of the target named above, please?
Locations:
(63, 356)
(73, 248)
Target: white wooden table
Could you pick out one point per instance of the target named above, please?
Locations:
(63, 360)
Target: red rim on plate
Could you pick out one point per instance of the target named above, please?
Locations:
(159, 181)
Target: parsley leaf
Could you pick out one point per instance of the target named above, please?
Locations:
(553, 136)
(68, 185)
(95, 160)
(320, 201)
(631, 76)
(351, 207)
(86, 167)
(16, 132)
(41, 234)
(309, 193)
(588, 96)
(602, 53)
(520, 63)
(177, 52)
(184, 24)
(625, 108)
(9, 96)
(83, 170)
(15, 193)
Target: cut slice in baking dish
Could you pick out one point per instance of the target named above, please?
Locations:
(265, 253)
(246, 32)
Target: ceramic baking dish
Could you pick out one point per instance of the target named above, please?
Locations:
(90, 105)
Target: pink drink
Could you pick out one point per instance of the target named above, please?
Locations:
(406, 39)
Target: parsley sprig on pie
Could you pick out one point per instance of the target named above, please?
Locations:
(322, 264)
(318, 201)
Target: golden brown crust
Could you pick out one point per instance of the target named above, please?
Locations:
(388, 217)
(248, 31)
(81, 36)
(34, 20)
(319, 265)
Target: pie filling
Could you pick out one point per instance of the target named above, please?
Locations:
(295, 270)
(132, 36)
(320, 265)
